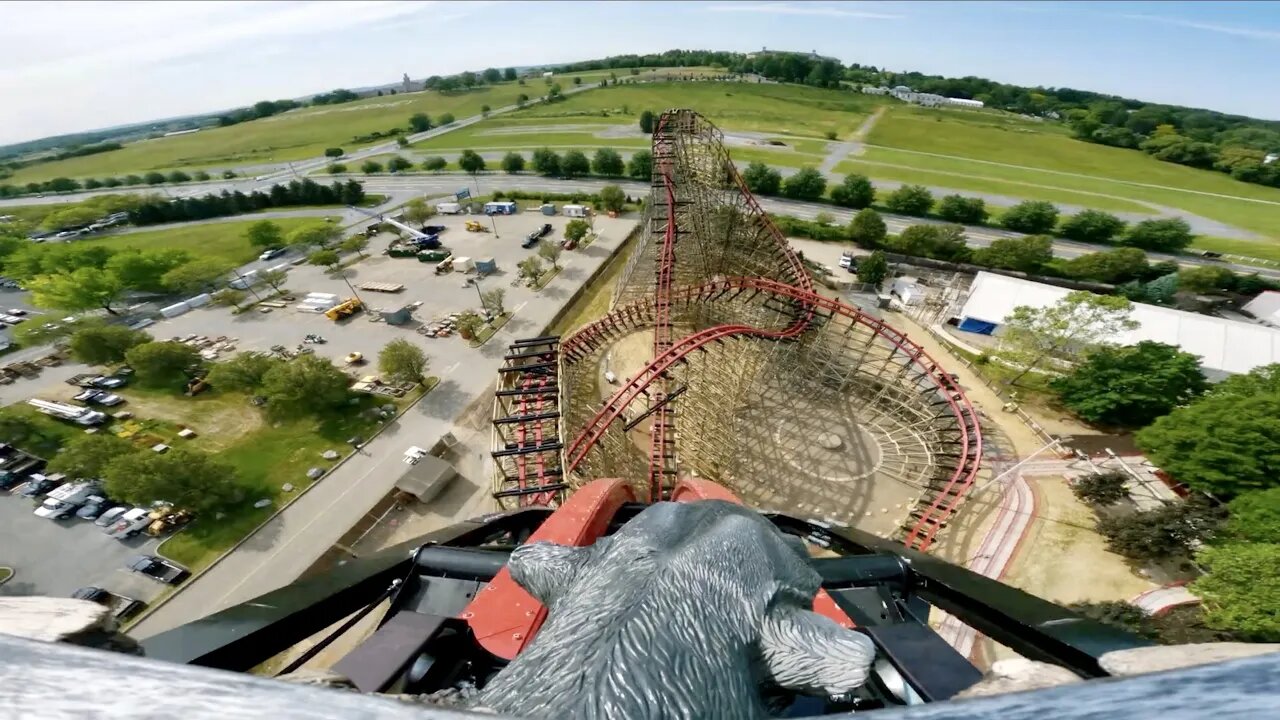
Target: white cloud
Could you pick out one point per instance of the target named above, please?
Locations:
(783, 8)
(1259, 33)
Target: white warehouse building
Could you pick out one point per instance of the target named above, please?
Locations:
(1225, 347)
(907, 95)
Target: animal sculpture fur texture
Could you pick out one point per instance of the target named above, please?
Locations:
(691, 610)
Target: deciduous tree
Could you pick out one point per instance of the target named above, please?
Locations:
(402, 361)
(315, 236)
(434, 163)
(162, 363)
(607, 162)
(417, 211)
(961, 209)
(1031, 216)
(550, 251)
(1254, 517)
(103, 344)
(612, 198)
(1092, 226)
(576, 229)
(1227, 442)
(1025, 254)
(806, 184)
(1110, 266)
(264, 233)
(242, 373)
(546, 162)
(855, 191)
(139, 270)
(640, 166)
(419, 122)
(274, 278)
(306, 384)
(1165, 532)
(761, 179)
(86, 456)
(575, 164)
(1162, 235)
(867, 229)
(910, 200)
(470, 162)
(355, 244)
(1077, 322)
(185, 477)
(512, 163)
(199, 275)
(82, 289)
(369, 167)
(1131, 386)
(1241, 592)
(647, 122)
(493, 300)
(327, 258)
(873, 269)
(1102, 488)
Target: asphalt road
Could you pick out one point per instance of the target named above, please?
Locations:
(290, 543)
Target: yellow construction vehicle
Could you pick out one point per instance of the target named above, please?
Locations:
(475, 226)
(344, 309)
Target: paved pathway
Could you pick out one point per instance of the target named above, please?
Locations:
(853, 146)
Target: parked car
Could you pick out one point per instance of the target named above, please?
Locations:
(107, 383)
(271, 253)
(131, 523)
(545, 231)
(111, 516)
(55, 509)
(17, 311)
(99, 397)
(12, 319)
(94, 507)
(38, 485)
(122, 607)
(158, 569)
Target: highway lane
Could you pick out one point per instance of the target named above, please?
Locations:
(403, 187)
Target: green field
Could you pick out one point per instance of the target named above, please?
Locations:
(959, 181)
(767, 108)
(1043, 155)
(301, 133)
(219, 240)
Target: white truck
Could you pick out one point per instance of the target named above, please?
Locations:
(65, 500)
(576, 211)
(70, 413)
(448, 208)
(131, 523)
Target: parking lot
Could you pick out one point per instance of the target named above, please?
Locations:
(439, 295)
(57, 557)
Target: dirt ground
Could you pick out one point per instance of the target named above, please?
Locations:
(220, 421)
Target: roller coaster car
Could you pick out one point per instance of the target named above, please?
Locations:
(457, 616)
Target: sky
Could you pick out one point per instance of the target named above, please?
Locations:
(80, 66)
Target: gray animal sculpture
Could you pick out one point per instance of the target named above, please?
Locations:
(691, 610)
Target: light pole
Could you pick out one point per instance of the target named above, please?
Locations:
(343, 275)
(476, 282)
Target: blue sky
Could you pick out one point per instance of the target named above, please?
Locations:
(72, 66)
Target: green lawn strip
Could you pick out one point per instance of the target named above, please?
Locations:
(5, 573)
(525, 141)
(988, 185)
(777, 109)
(271, 455)
(546, 278)
(489, 330)
(295, 135)
(1261, 250)
(223, 241)
(782, 158)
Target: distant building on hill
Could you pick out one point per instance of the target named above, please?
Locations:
(907, 95)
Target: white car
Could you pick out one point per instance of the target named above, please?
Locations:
(414, 454)
(17, 311)
(55, 509)
(846, 261)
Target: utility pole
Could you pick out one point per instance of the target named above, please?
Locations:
(343, 275)
(476, 282)
(247, 285)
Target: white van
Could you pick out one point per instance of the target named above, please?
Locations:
(448, 208)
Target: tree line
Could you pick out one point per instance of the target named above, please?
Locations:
(156, 210)
(63, 184)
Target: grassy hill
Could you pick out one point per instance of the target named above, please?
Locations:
(970, 151)
(299, 134)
